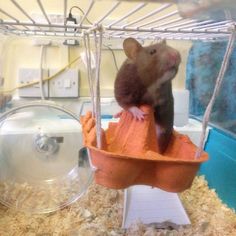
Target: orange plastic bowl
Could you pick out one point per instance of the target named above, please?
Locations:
(129, 155)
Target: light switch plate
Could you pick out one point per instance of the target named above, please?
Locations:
(65, 85)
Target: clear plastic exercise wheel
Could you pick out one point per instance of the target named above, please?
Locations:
(43, 166)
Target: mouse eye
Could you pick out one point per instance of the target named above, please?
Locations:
(153, 51)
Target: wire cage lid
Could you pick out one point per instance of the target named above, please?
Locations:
(180, 20)
(42, 165)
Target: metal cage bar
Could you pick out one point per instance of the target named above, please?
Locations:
(87, 12)
(169, 22)
(43, 11)
(137, 8)
(212, 25)
(108, 12)
(118, 28)
(11, 17)
(165, 6)
(65, 11)
(195, 25)
(167, 35)
(22, 10)
(185, 23)
(174, 13)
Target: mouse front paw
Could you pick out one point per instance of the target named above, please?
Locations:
(137, 113)
(118, 115)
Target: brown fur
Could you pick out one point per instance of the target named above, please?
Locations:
(145, 78)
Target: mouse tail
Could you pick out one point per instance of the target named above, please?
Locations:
(163, 138)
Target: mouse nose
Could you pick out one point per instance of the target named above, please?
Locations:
(174, 58)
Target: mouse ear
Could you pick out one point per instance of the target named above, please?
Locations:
(131, 47)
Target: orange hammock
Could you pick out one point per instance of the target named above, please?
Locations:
(129, 155)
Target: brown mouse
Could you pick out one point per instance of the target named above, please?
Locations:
(145, 78)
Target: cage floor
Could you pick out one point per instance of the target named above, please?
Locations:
(99, 213)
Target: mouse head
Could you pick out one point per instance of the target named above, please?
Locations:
(153, 61)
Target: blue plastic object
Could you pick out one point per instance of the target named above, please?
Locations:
(201, 79)
(220, 169)
(106, 117)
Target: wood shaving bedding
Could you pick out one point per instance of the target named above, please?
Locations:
(99, 213)
(44, 197)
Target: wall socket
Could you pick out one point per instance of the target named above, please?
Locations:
(28, 75)
(64, 85)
